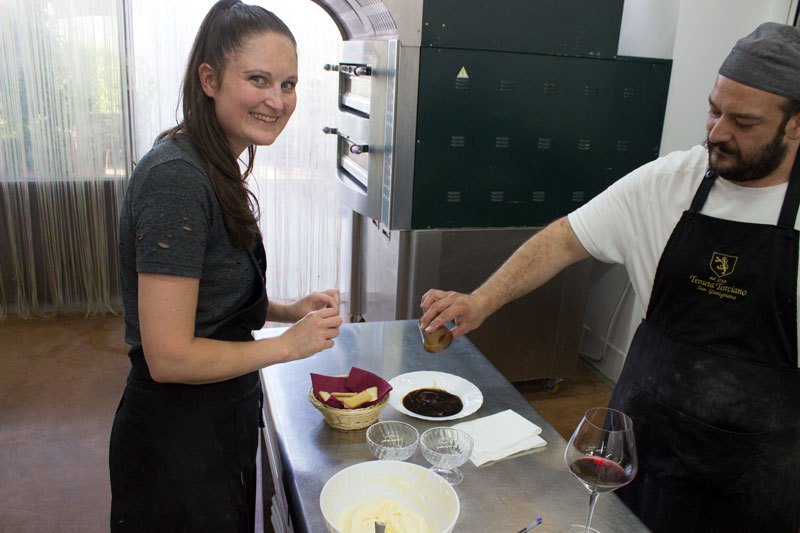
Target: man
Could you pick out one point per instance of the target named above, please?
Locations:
(708, 238)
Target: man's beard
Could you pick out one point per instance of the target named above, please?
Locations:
(762, 164)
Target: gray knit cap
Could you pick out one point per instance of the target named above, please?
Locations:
(767, 59)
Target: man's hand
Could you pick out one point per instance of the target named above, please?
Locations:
(534, 263)
(466, 310)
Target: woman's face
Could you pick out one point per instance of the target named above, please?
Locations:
(255, 95)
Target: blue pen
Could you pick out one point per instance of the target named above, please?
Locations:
(532, 525)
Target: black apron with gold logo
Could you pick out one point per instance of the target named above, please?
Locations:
(183, 457)
(711, 378)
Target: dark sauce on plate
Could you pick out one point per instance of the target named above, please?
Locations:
(432, 402)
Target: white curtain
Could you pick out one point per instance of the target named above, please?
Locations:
(62, 155)
(294, 179)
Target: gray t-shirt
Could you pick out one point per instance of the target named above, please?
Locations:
(171, 223)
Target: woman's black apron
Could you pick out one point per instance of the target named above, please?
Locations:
(183, 457)
(711, 378)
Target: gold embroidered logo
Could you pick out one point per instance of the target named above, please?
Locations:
(723, 264)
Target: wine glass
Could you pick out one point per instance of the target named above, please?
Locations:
(446, 449)
(602, 454)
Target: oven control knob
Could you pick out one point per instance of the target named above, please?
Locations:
(359, 148)
(330, 131)
(330, 67)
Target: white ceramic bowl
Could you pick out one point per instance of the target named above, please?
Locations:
(409, 484)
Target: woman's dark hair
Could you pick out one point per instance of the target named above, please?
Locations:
(222, 34)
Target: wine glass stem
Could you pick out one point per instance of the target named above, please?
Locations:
(592, 501)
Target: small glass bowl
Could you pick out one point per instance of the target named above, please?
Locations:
(392, 440)
(446, 449)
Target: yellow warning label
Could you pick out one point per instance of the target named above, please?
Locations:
(462, 74)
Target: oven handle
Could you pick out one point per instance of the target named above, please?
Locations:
(350, 69)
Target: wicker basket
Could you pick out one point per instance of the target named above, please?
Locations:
(347, 419)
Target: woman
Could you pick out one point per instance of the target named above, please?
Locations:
(183, 444)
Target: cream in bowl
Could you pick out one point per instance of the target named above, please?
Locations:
(398, 518)
(394, 492)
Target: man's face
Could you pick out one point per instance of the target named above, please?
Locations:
(745, 131)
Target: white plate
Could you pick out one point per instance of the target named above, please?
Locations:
(470, 395)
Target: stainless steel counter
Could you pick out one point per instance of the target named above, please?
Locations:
(502, 496)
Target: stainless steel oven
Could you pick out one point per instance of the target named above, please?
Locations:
(464, 127)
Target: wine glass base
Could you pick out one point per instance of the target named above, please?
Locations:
(453, 476)
(577, 528)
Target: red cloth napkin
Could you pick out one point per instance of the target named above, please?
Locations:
(356, 381)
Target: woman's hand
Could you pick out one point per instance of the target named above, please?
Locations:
(279, 312)
(438, 307)
(328, 299)
(313, 333)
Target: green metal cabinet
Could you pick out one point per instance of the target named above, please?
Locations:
(524, 112)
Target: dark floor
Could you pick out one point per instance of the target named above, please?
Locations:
(60, 381)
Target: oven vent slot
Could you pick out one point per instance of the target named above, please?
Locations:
(550, 87)
(584, 144)
(544, 143)
(507, 86)
(497, 196)
(454, 197)
(463, 84)
(578, 196)
(538, 196)
(629, 92)
(590, 90)
(502, 143)
(622, 146)
(382, 21)
(457, 141)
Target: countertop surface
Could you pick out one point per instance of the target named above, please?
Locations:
(500, 496)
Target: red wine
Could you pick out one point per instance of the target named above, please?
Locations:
(599, 473)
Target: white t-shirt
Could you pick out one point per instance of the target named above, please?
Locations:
(631, 221)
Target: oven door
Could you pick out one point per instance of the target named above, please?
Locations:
(367, 86)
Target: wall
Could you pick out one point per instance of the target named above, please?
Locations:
(648, 28)
(700, 47)
(688, 32)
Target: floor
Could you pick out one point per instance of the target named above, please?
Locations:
(60, 381)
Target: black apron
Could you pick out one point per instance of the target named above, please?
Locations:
(711, 378)
(183, 457)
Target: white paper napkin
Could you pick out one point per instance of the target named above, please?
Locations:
(500, 435)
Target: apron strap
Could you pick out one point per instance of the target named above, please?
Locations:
(792, 199)
(702, 191)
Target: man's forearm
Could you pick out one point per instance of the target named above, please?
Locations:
(534, 263)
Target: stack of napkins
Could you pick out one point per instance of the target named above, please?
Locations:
(501, 435)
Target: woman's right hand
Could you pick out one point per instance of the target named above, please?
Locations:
(312, 333)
